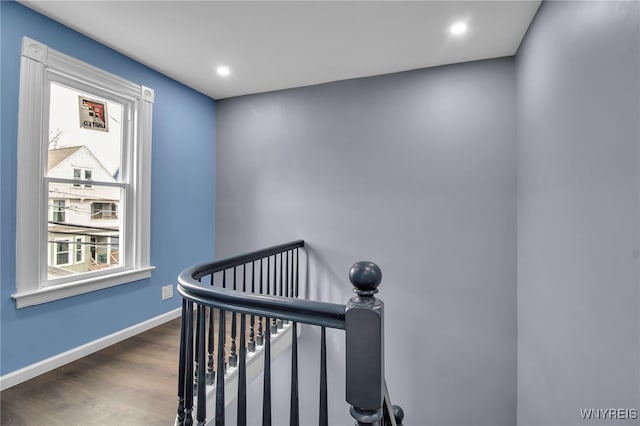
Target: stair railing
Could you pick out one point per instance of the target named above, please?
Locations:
(269, 297)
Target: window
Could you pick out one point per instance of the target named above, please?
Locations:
(99, 251)
(84, 142)
(58, 210)
(79, 250)
(77, 175)
(87, 176)
(62, 253)
(104, 211)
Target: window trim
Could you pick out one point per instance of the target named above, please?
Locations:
(37, 62)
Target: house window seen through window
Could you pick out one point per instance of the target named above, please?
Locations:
(58, 210)
(62, 252)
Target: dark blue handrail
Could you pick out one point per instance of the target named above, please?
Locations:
(323, 314)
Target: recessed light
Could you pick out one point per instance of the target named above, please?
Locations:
(223, 70)
(458, 28)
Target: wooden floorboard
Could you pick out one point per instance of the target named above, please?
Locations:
(132, 383)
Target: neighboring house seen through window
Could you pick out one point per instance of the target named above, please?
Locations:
(97, 167)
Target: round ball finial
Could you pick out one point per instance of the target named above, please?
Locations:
(365, 278)
(398, 414)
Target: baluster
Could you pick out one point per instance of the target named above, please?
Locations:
(260, 335)
(202, 400)
(279, 322)
(286, 280)
(293, 287)
(266, 384)
(197, 337)
(210, 344)
(291, 293)
(268, 275)
(252, 319)
(222, 369)
(297, 272)
(188, 383)
(195, 379)
(242, 376)
(272, 323)
(244, 278)
(324, 411)
(211, 375)
(220, 376)
(233, 356)
(286, 275)
(181, 365)
(294, 412)
(281, 292)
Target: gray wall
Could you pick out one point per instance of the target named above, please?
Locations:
(578, 212)
(415, 171)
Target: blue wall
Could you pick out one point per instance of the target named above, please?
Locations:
(182, 199)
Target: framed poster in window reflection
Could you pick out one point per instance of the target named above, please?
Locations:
(93, 114)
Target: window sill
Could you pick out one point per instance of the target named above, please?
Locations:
(49, 294)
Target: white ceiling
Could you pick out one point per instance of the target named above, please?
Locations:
(276, 45)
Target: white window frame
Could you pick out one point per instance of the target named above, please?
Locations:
(41, 65)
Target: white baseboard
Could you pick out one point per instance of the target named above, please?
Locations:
(46, 365)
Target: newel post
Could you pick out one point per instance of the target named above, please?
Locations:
(365, 345)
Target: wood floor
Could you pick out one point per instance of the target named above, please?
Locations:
(132, 383)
